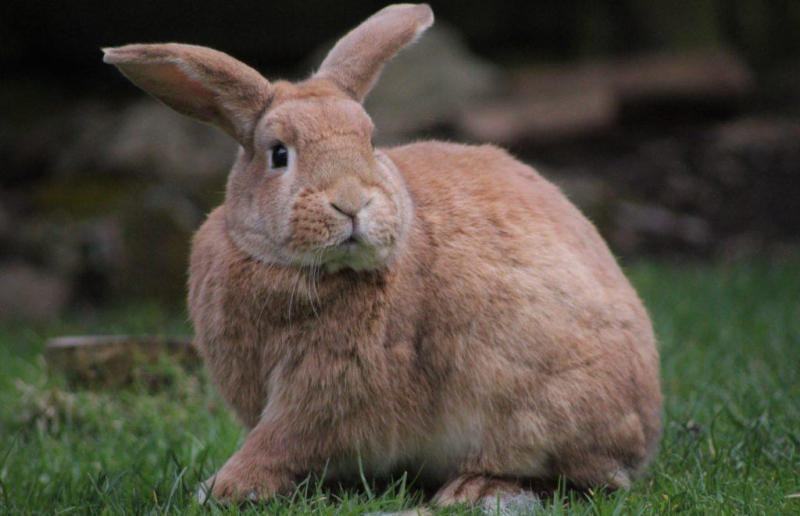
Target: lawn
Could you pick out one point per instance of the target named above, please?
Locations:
(730, 344)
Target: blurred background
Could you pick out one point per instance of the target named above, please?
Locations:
(674, 125)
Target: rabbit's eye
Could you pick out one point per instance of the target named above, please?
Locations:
(279, 156)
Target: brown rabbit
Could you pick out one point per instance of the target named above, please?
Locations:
(433, 307)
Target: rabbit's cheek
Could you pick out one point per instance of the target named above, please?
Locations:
(310, 230)
(378, 226)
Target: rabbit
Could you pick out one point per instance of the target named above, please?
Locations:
(434, 307)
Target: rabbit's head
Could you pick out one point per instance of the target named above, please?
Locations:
(307, 186)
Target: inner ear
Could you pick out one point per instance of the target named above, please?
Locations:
(198, 82)
(176, 88)
(179, 79)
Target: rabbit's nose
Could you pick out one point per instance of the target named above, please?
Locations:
(345, 208)
(349, 198)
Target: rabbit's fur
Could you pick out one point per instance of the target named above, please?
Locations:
(434, 307)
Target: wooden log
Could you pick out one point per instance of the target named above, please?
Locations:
(115, 360)
(551, 104)
(697, 79)
(542, 117)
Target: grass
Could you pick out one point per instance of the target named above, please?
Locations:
(730, 344)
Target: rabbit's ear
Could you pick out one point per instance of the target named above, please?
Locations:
(198, 82)
(358, 58)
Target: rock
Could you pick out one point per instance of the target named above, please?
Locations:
(703, 189)
(101, 251)
(143, 140)
(116, 360)
(157, 228)
(756, 160)
(31, 295)
(176, 149)
(86, 254)
(656, 220)
(114, 206)
(641, 226)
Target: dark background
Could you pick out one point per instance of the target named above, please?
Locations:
(60, 39)
(675, 125)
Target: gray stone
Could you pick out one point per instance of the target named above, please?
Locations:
(659, 222)
(157, 229)
(144, 139)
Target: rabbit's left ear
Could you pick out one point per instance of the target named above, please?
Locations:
(198, 82)
(358, 58)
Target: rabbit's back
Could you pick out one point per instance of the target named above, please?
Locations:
(481, 198)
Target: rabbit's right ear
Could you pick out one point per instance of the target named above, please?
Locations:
(357, 59)
(198, 82)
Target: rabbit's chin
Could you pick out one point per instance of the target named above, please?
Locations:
(356, 257)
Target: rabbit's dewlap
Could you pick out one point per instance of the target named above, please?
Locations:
(433, 307)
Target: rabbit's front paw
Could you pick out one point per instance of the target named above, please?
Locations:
(207, 490)
(239, 481)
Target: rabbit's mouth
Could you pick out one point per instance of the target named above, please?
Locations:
(351, 243)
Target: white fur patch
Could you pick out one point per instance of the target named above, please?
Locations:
(511, 505)
(202, 493)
